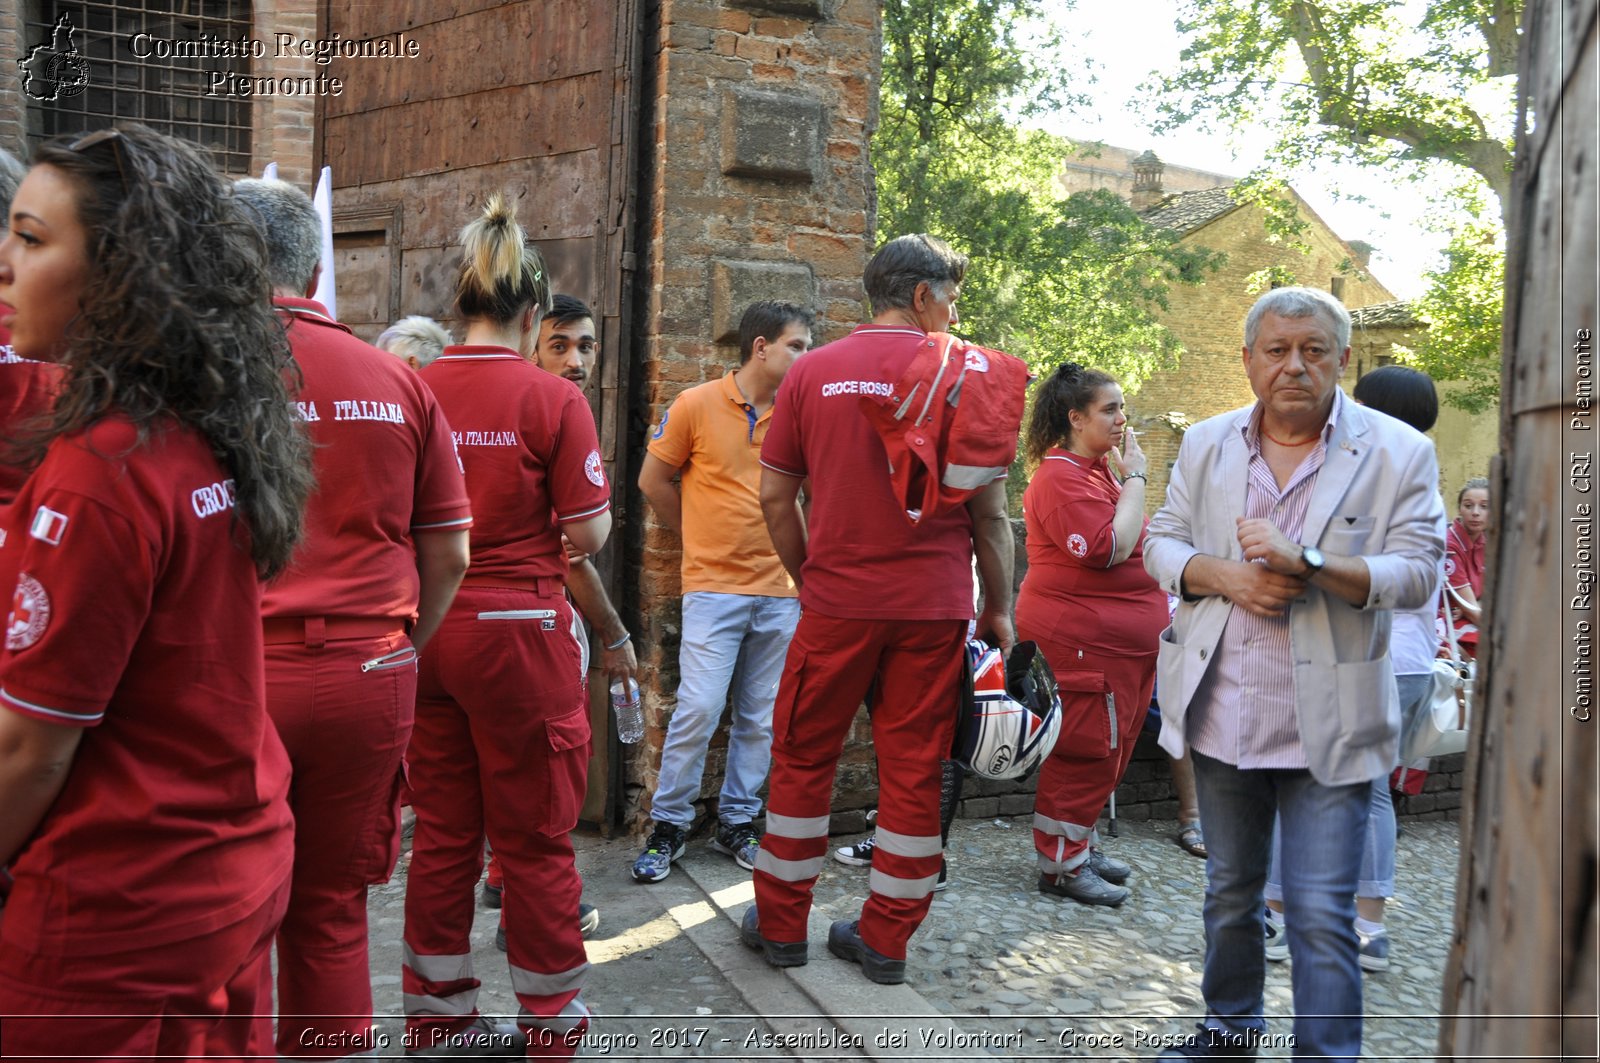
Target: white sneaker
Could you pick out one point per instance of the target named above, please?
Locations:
(1277, 938)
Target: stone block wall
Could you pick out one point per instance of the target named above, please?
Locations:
(756, 185)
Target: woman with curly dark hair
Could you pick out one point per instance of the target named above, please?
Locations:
(143, 784)
(1095, 613)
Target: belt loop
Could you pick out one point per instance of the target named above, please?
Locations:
(316, 632)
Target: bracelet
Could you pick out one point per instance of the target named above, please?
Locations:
(1136, 476)
(623, 641)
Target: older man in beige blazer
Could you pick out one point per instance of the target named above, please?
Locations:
(1292, 528)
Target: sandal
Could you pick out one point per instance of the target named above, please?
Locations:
(1191, 838)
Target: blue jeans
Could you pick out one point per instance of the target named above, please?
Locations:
(1321, 864)
(728, 639)
(1377, 854)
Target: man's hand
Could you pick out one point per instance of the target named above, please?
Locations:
(1262, 541)
(574, 555)
(996, 629)
(1259, 590)
(620, 663)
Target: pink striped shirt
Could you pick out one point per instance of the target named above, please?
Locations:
(1243, 712)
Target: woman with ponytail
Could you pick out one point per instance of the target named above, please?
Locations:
(501, 741)
(142, 785)
(1095, 614)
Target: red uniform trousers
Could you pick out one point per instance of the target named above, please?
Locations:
(1103, 705)
(206, 997)
(830, 664)
(346, 731)
(500, 747)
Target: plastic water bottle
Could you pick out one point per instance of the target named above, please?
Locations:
(630, 715)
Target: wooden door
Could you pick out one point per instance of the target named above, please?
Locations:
(538, 99)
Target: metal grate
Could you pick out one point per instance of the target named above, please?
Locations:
(167, 92)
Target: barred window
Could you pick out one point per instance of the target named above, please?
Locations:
(149, 61)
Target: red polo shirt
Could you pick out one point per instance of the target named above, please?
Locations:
(1073, 593)
(864, 559)
(527, 441)
(386, 469)
(27, 389)
(136, 613)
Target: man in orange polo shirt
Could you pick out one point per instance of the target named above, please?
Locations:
(739, 605)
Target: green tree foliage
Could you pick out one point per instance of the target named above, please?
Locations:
(1054, 277)
(1406, 85)
(1462, 308)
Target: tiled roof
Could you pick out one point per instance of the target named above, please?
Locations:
(1396, 314)
(1187, 211)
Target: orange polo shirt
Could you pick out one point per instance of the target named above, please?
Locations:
(714, 437)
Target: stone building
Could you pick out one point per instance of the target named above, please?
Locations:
(1208, 318)
(1465, 441)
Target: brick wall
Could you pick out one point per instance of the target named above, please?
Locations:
(13, 103)
(757, 185)
(283, 128)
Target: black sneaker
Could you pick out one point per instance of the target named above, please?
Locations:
(1083, 886)
(778, 953)
(666, 844)
(857, 854)
(844, 941)
(493, 896)
(739, 840)
(943, 880)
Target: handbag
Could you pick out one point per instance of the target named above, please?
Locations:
(1440, 725)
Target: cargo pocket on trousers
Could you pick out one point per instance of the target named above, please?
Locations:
(1088, 715)
(566, 771)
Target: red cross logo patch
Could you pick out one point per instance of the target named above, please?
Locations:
(30, 613)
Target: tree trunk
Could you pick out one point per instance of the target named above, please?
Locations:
(1522, 975)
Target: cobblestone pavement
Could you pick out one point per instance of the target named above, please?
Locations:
(994, 946)
(997, 963)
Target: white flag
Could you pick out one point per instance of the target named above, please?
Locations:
(270, 173)
(323, 201)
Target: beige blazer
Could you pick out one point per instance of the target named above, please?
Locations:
(1376, 497)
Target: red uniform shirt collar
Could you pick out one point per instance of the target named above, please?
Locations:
(307, 310)
(478, 350)
(892, 329)
(1063, 454)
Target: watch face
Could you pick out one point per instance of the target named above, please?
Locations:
(1313, 557)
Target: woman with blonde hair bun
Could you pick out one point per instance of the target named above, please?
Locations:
(501, 742)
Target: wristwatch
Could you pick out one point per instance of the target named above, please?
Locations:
(1313, 559)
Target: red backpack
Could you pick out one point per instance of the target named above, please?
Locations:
(950, 423)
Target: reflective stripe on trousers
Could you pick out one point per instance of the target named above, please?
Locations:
(438, 986)
(1051, 842)
(830, 664)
